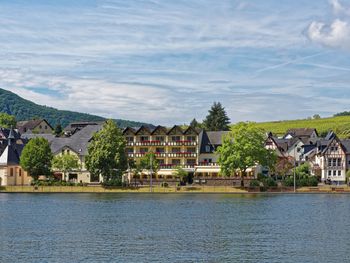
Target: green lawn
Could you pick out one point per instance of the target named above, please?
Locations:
(340, 125)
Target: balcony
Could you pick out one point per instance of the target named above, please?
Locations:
(208, 164)
(179, 143)
(130, 155)
(182, 154)
(138, 155)
(130, 143)
(160, 154)
(150, 143)
(174, 166)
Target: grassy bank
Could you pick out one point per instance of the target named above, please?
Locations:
(340, 125)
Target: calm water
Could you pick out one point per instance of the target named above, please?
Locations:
(174, 228)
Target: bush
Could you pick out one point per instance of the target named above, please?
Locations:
(269, 182)
(164, 184)
(304, 181)
(113, 182)
(254, 183)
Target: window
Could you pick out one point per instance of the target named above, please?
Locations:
(160, 138)
(334, 173)
(40, 127)
(20, 172)
(68, 151)
(160, 161)
(129, 150)
(45, 127)
(334, 162)
(210, 160)
(129, 139)
(339, 173)
(11, 171)
(191, 161)
(176, 150)
(144, 138)
(339, 162)
(175, 161)
(336, 148)
(175, 138)
(143, 150)
(207, 148)
(160, 150)
(191, 138)
(329, 162)
(191, 149)
(329, 173)
(332, 149)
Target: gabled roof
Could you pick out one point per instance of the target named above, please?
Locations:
(192, 130)
(210, 138)
(23, 126)
(159, 128)
(132, 130)
(143, 128)
(175, 127)
(301, 132)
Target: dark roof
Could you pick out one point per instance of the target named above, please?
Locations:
(78, 142)
(151, 130)
(301, 132)
(11, 154)
(210, 138)
(5, 133)
(346, 145)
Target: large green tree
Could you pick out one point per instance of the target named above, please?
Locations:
(106, 153)
(217, 119)
(7, 121)
(149, 160)
(65, 163)
(36, 158)
(243, 147)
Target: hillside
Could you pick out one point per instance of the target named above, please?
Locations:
(340, 125)
(26, 110)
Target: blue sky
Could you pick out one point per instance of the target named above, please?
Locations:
(166, 62)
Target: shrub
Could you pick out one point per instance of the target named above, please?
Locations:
(113, 182)
(164, 184)
(269, 182)
(254, 183)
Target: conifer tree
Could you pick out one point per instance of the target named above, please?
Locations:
(217, 119)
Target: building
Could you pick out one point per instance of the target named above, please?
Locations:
(39, 126)
(11, 172)
(173, 148)
(77, 145)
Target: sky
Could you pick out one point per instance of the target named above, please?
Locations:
(166, 62)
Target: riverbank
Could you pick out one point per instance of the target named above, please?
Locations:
(157, 189)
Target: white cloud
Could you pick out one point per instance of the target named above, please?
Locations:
(336, 35)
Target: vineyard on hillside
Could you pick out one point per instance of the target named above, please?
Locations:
(340, 125)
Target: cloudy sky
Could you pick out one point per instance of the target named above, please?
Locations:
(166, 62)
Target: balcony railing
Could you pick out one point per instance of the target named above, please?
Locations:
(179, 143)
(150, 143)
(182, 154)
(208, 164)
(130, 154)
(174, 166)
(130, 143)
(138, 155)
(160, 154)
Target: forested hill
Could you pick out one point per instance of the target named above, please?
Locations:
(24, 109)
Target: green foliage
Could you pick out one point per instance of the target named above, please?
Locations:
(181, 173)
(106, 153)
(65, 163)
(269, 182)
(58, 129)
(7, 121)
(254, 183)
(36, 158)
(164, 184)
(22, 109)
(340, 125)
(301, 182)
(195, 124)
(344, 113)
(145, 162)
(114, 182)
(243, 147)
(217, 119)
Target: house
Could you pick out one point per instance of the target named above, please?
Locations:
(11, 172)
(39, 126)
(329, 159)
(76, 144)
(73, 127)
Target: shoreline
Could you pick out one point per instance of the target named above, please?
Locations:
(169, 190)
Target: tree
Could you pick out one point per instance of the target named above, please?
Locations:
(36, 158)
(217, 119)
(106, 153)
(58, 129)
(181, 173)
(7, 121)
(65, 163)
(244, 147)
(195, 124)
(284, 166)
(145, 162)
(316, 117)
